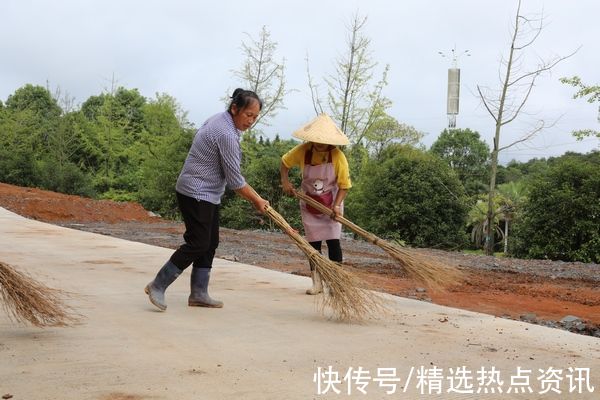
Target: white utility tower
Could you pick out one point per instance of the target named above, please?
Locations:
(453, 85)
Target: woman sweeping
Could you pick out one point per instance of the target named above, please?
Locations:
(326, 178)
(213, 163)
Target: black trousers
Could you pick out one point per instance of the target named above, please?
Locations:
(334, 248)
(201, 235)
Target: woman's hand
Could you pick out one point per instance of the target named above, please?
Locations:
(337, 212)
(288, 188)
(248, 193)
(260, 205)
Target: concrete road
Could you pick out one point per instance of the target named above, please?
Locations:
(268, 342)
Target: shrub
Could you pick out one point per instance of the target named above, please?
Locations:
(561, 219)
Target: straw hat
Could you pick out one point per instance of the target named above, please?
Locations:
(322, 130)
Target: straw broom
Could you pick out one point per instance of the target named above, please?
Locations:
(26, 300)
(430, 272)
(346, 294)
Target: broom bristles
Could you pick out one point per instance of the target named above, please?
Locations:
(425, 270)
(344, 293)
(26, 300)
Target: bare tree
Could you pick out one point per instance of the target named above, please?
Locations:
(351, 99)
(506, 104)
(264, 75)
(65, 101)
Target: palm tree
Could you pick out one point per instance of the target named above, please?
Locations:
(477, 220)
(511, 197)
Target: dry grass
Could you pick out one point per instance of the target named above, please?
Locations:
(26, 300)
(426, 270)
(344, 293)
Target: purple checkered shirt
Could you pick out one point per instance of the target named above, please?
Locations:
(213, 161)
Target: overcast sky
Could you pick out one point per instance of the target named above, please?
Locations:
(188, 49)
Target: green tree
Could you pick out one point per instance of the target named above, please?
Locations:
(508, 200)
(468, 155)
(387, 130)
(123, 107)
(59, 168)
(92, 107)
(163, 147)
(128, 111)
(593, 95)
(421, 198)
(163, 116)
(111, 142)
(477, 221)
(527, 171)
(561, 219)
(512, 196)
(36, 99)
(358, 157)
(37, 112)
(117, 124)
(17, 148)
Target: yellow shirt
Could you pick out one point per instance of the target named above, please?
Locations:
(295, 157)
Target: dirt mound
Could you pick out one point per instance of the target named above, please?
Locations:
(51, 207)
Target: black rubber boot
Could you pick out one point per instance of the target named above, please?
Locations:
(199, 289)
(156, 289)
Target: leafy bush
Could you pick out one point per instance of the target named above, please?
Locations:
(561, 219)
(68, 178)
(159, 172)
(18, 168)
(410, 195)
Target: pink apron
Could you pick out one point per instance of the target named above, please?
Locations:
(319, 182)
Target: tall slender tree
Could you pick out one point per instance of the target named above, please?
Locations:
(352, 99)
(262, 73)
(506, 104)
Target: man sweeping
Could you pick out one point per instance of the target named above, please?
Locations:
(325, 178)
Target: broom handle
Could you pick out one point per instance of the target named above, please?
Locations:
(283, 224)
(291, 232)
(299, 239)
(349, 224)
